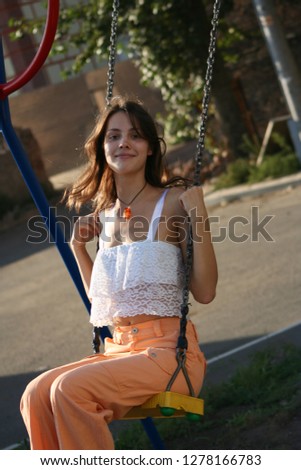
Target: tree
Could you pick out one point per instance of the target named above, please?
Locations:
(168, 41)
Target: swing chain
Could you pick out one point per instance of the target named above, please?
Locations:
(181, 359)
(112, 52)
(206, 92)
(182, 344)
(96, 339)
(182, 340)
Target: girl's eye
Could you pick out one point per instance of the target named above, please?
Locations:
(135, 135)
(112, 137)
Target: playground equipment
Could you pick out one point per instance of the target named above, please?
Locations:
(165, 404)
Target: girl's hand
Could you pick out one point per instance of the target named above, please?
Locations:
(85, 229)
(193, 198)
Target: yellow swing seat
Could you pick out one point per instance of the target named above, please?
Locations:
(168, 405)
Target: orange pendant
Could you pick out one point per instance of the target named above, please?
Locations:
(127, 213)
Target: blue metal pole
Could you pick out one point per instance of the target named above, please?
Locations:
(152, 433)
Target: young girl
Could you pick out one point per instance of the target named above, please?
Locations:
(135, 284)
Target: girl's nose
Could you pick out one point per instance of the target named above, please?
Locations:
(124, 141)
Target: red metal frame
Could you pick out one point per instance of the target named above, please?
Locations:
(41, 55)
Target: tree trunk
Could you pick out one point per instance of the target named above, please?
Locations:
(229, 114)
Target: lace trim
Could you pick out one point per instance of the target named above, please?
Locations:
(136, 278)
(126, 266)
(152, 299)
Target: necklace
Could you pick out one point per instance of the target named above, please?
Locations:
(127, 212)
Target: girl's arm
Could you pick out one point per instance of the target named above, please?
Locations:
(204, 275)
(85, 229)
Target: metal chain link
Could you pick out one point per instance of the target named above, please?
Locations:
(207, 91)
(201, 139)
(112, 52)
(182, 340)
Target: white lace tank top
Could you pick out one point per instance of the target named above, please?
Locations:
(142, 277)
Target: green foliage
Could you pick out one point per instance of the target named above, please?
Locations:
(262, 383)
(237, 172)
(132, 438)
(183, 119)
(249, 147)
(168, 41)
(274, 167)
(229, 37)
(281, 163)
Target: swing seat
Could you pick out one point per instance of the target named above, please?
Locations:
(168, 405)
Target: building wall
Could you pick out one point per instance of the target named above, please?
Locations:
(61, 116)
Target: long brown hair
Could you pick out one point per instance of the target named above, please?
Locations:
(97, 183)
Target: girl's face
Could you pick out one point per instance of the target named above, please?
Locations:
(126, 151)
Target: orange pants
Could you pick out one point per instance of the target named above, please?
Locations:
(70, 407)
